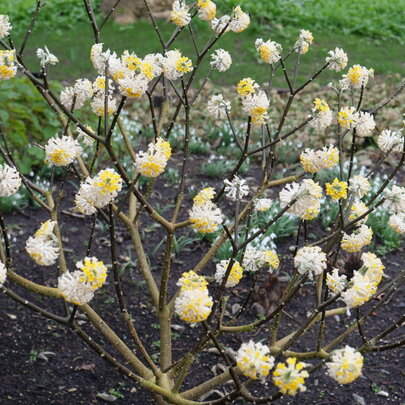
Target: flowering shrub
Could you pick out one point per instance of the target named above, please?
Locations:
(111, 190)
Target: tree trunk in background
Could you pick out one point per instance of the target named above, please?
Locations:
(129, 11)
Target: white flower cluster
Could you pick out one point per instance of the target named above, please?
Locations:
(254, 361)
(236, 189)
(180, 13)
(310, 260)
(175, 65)
(221, 60)
(10, 180)
(270, 51)
(205, 216)
(336, 282)
(218, 107)
(78, 287)
(304, 41)
(98, 192)
(262, 204)
(391, 141)
(43, 247)
(364, 282)
(255, 259)
(354, 242)
(235, 274)
(5, 26)
(356, 77)
(359, 186)
(62, 151)
(337, 59)
(153, 162)
(194, 303)
(345, 365)
(322, 115)
(307, 196)
(313, 161)
(8, 67)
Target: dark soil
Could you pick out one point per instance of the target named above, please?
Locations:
(74, 374)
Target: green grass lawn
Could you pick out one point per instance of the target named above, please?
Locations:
(72, 45)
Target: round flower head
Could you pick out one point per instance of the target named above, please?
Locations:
(193, 305)
(312, 211)
(180, 15)
(234, 276)
(206, 10)
(133, 86)
(357, 76)
(62, 151)
(5, 26)
(89, 198)
(46, 230)
(359, 186)
(3, 274)
(8, 69)
(322, 115)
(236, 189)
(397, 223)
(365, 124)
(153, 162)
(83, 90)
(255, 259)
(313, 161)
(221, 25)
(100, 59)
(304, 40)
(337, 189)
(395, 200)
(336, 282)
(310, 260)
(175, 65)
(184, 65)
(108, 182)
(205, 195)
(270, 258)
(43, 251)
(391, 141)
(345, 365)
(361, 291)
(358, 208)
(93, 272)
(256, 105)
(10, 180)
(246, 86)
(290, 377)
(218, 107)
(306, 195)
(347, 117)
(221, 60)
(262, 204)
(373, 266)
(73, 289)
(337, 59)
(240, 20)
(357, 240)
(205, 218)
(98, 106)
(270, 51)
(253, 360)
(192, 281)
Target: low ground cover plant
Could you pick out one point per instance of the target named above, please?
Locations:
(119, 182)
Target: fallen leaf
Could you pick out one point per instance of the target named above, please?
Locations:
(86, 367)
